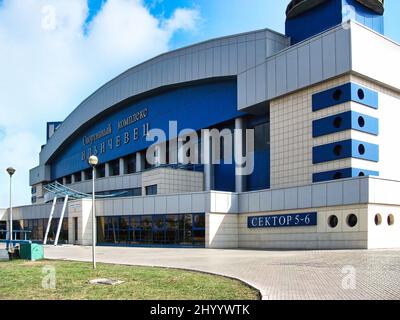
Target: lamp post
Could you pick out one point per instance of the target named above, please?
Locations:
(93, 161)
(11, 172)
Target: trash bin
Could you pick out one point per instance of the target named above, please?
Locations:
(31, 251)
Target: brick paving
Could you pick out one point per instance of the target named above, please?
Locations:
(308, 275)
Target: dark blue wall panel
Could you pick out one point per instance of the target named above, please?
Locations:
(224, 177)
(315, 21)
(195, 107)
(342, 174)
(345, 121)
(345, 93)
(260, 179)
(346, 149)
(329, 15)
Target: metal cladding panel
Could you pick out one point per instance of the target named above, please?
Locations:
(302, 65)
(292, 70)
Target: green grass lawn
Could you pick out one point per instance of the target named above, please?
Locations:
(21, 279)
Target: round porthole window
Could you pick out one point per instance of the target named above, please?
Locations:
(361, 122)
(337, 175)
(361, 94)
(337, 150)
(333, 221)
(378, 219)
(337, 94)
(361, 174)
(361, 149)
(390, 220)
(337, 123)
(352, 220)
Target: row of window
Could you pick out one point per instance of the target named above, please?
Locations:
(261, 143)
(37, 229)
(352, 220)
(175, 229)
(114, 170)
(389, 220)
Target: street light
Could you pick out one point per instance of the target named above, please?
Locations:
(11, 172)
(93, 161)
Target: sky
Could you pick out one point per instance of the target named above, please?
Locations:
(55, 53)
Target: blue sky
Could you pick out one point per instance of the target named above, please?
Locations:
(223, 17)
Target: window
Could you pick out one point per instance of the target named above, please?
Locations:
(78, 177)
(33, 190)
(333, 221)
(151, 190)
(175, 229)
(114, 168)
(361, 94)
(147, 226)
(361, 122)
(101, 171)
(3, 229)
(337, 122)
(68, 179)
(361, 149)
(88, 174)
(33, 199)
(337, 176)
(131, 164)
(337, 150)
(352, 220)
(337, 94)
(390, 219)
(123, 229)
(378, 219)
(261, 137)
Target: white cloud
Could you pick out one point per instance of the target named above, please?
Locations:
(49, 65)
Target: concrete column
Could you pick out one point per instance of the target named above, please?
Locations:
(239, 146)
(72, 178)
(83, 178)
(208, 165)
(122, 169)
(107, 169)
(139, 162)
(64, 181)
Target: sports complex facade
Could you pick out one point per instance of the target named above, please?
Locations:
(323, 102)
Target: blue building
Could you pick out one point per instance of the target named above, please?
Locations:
(321, 172)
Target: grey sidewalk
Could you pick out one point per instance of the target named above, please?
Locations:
(277, 274)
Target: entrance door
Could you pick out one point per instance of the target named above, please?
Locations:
(75, 230)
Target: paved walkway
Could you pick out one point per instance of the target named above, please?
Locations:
(344, 275)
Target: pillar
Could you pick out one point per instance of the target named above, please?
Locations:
(107, 169)
(139, 162)
(122, 169)
(208, 164)
(239, 146)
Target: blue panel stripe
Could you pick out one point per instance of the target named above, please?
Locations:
(345, 93)
(342, 174)
(345, 121)
(346, 149)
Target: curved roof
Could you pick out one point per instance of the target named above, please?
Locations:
(227, 56)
